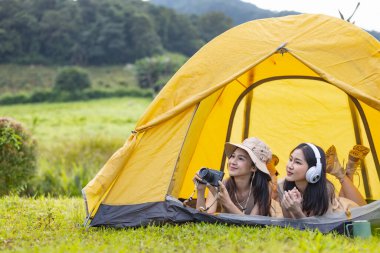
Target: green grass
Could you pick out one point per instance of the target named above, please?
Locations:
(52, 123)
(55, 225)
(75, 139)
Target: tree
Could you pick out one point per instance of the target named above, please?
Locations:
(72, 80)
(141, 36)
(91, 32)
(154, 72)
(178, 33)
(60, 30)
(212, 24)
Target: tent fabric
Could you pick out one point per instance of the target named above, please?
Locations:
(172, 211)
(302, 78)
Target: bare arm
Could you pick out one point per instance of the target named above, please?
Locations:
(209, 204)
(212, 200)
(201, 188)
(201, 201)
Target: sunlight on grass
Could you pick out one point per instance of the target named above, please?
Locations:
(52, 123)
(55, 225)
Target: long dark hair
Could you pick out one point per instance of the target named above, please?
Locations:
(260, 191)
(318, 196)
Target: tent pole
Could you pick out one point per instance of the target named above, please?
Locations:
(353, 102)
(358, 140)
(247, 115)
(248, 108)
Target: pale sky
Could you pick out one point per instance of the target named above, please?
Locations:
(367, 16)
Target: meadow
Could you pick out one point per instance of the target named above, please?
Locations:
(17, 79)
(75, 139)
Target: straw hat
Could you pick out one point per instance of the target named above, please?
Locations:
(259, 152)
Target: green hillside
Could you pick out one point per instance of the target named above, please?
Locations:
(26, 78)
(239, 11)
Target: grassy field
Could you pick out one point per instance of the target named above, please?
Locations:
(56, 122)
(18, 78)
(76, 139)
(55, 225)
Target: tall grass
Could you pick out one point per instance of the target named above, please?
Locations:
(75, 139)
(55, 225)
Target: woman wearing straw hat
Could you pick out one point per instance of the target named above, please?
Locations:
(247, 190)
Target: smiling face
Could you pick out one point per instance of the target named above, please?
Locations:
(240, 163)
(296, 167)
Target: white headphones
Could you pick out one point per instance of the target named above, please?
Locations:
(313, 174)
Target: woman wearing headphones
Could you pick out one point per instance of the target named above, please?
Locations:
(306, 190)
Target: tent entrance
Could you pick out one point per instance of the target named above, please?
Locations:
(295, 109)
(283, 111)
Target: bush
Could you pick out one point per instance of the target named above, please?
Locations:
(65, 96)
(72, 80)
(41, 96)
(17, 156)
(151, 70)
(9, 99)
(121, 92)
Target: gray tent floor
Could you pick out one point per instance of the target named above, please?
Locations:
(172, 211)
(325, 224)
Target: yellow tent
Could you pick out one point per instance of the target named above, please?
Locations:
(302, 78)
